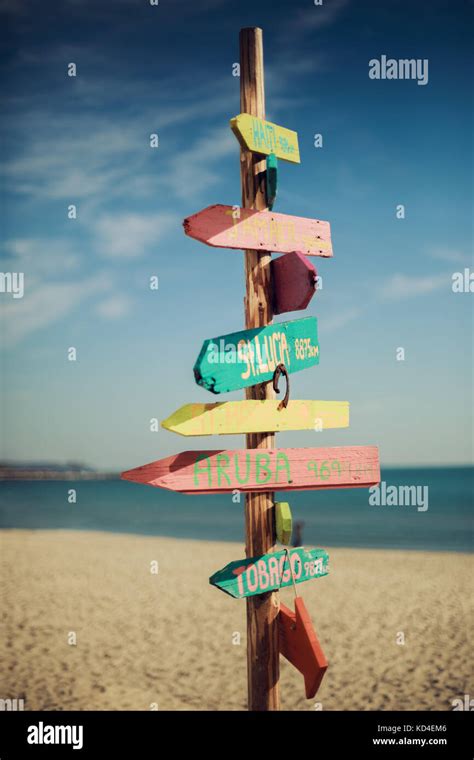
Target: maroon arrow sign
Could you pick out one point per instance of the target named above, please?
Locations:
(294, 282)
(300, 645)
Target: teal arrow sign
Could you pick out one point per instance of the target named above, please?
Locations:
(240, 359)
(257, 575)
(272, 179)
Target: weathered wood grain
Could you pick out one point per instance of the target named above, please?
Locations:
(252, 416)
(264, 137)
(243, 228)
(257, 575)
(254, 470)
(248, 357)
(263, 661)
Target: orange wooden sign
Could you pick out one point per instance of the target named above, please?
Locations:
(300, 645)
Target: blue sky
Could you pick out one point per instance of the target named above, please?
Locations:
(168, 70)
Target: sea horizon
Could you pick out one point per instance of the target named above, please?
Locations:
(439, 519)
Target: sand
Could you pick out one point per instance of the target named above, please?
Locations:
(146, 641)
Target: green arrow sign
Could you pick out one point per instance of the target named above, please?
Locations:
(248, 357)
(257, 575)
(283, 522)
(272, 179)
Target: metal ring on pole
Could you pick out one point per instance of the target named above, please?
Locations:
(281, 370)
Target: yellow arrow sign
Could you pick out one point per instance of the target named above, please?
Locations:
(250, 416)
(264, 137)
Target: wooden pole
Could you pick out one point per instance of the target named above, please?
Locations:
(262, 611)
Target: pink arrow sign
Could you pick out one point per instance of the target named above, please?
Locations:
(235, 227)
(262, 470)
(294, 282)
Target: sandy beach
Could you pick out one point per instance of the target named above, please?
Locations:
(165, 640)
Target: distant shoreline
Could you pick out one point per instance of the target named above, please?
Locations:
(12, 473)
(16, 474)
(335, 517)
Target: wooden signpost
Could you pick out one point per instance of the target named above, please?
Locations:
(260, 136)
(300, 645)
(231, 417)
(245, 358)
(241, 228)
(258, 575)
(294, 282)
(258, 470)
(251, 359)
(263, 662)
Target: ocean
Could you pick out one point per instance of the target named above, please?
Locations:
(440, 521)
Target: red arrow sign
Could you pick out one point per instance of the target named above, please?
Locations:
(235, 227)
(294, 282)
(300, 645)
(262, 470)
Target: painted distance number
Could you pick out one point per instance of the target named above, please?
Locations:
(325, 468)
(304, 349)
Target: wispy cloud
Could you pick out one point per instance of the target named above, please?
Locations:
(279, 79)
(317, 16)
(449, 255)
(95, 159)
(91, 146)
(201, 161)
(401, 286)
(39, 257)
(395, 288)
(114, 307)
(48, 264)
(337, 321)
(47, 303)
(79, 158)
(129, 236)
(178, 10)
